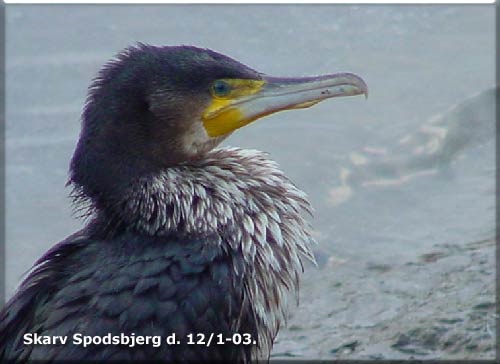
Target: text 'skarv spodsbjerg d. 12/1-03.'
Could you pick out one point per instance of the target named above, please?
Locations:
(133, 340)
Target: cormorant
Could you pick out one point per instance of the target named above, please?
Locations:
(182, 238)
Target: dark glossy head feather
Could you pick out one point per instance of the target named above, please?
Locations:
(140, 108)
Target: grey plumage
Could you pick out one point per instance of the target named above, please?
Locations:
(246, 195)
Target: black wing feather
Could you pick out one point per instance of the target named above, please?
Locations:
(131, 284)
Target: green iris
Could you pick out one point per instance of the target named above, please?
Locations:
(221, 88)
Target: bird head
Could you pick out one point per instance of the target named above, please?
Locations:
(156, 107)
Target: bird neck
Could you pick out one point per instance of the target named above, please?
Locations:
(253, 208)
(247, 203)
(227, 186)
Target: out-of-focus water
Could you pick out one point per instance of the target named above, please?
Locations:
(389, 177)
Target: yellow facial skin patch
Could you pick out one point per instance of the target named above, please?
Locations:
(223, 115)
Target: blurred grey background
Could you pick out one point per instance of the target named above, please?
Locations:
(402, 184)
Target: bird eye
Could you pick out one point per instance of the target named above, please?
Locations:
(221, 88)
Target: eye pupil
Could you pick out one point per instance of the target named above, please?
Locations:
(221, 88)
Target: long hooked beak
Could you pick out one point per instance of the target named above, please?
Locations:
(274, 94)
